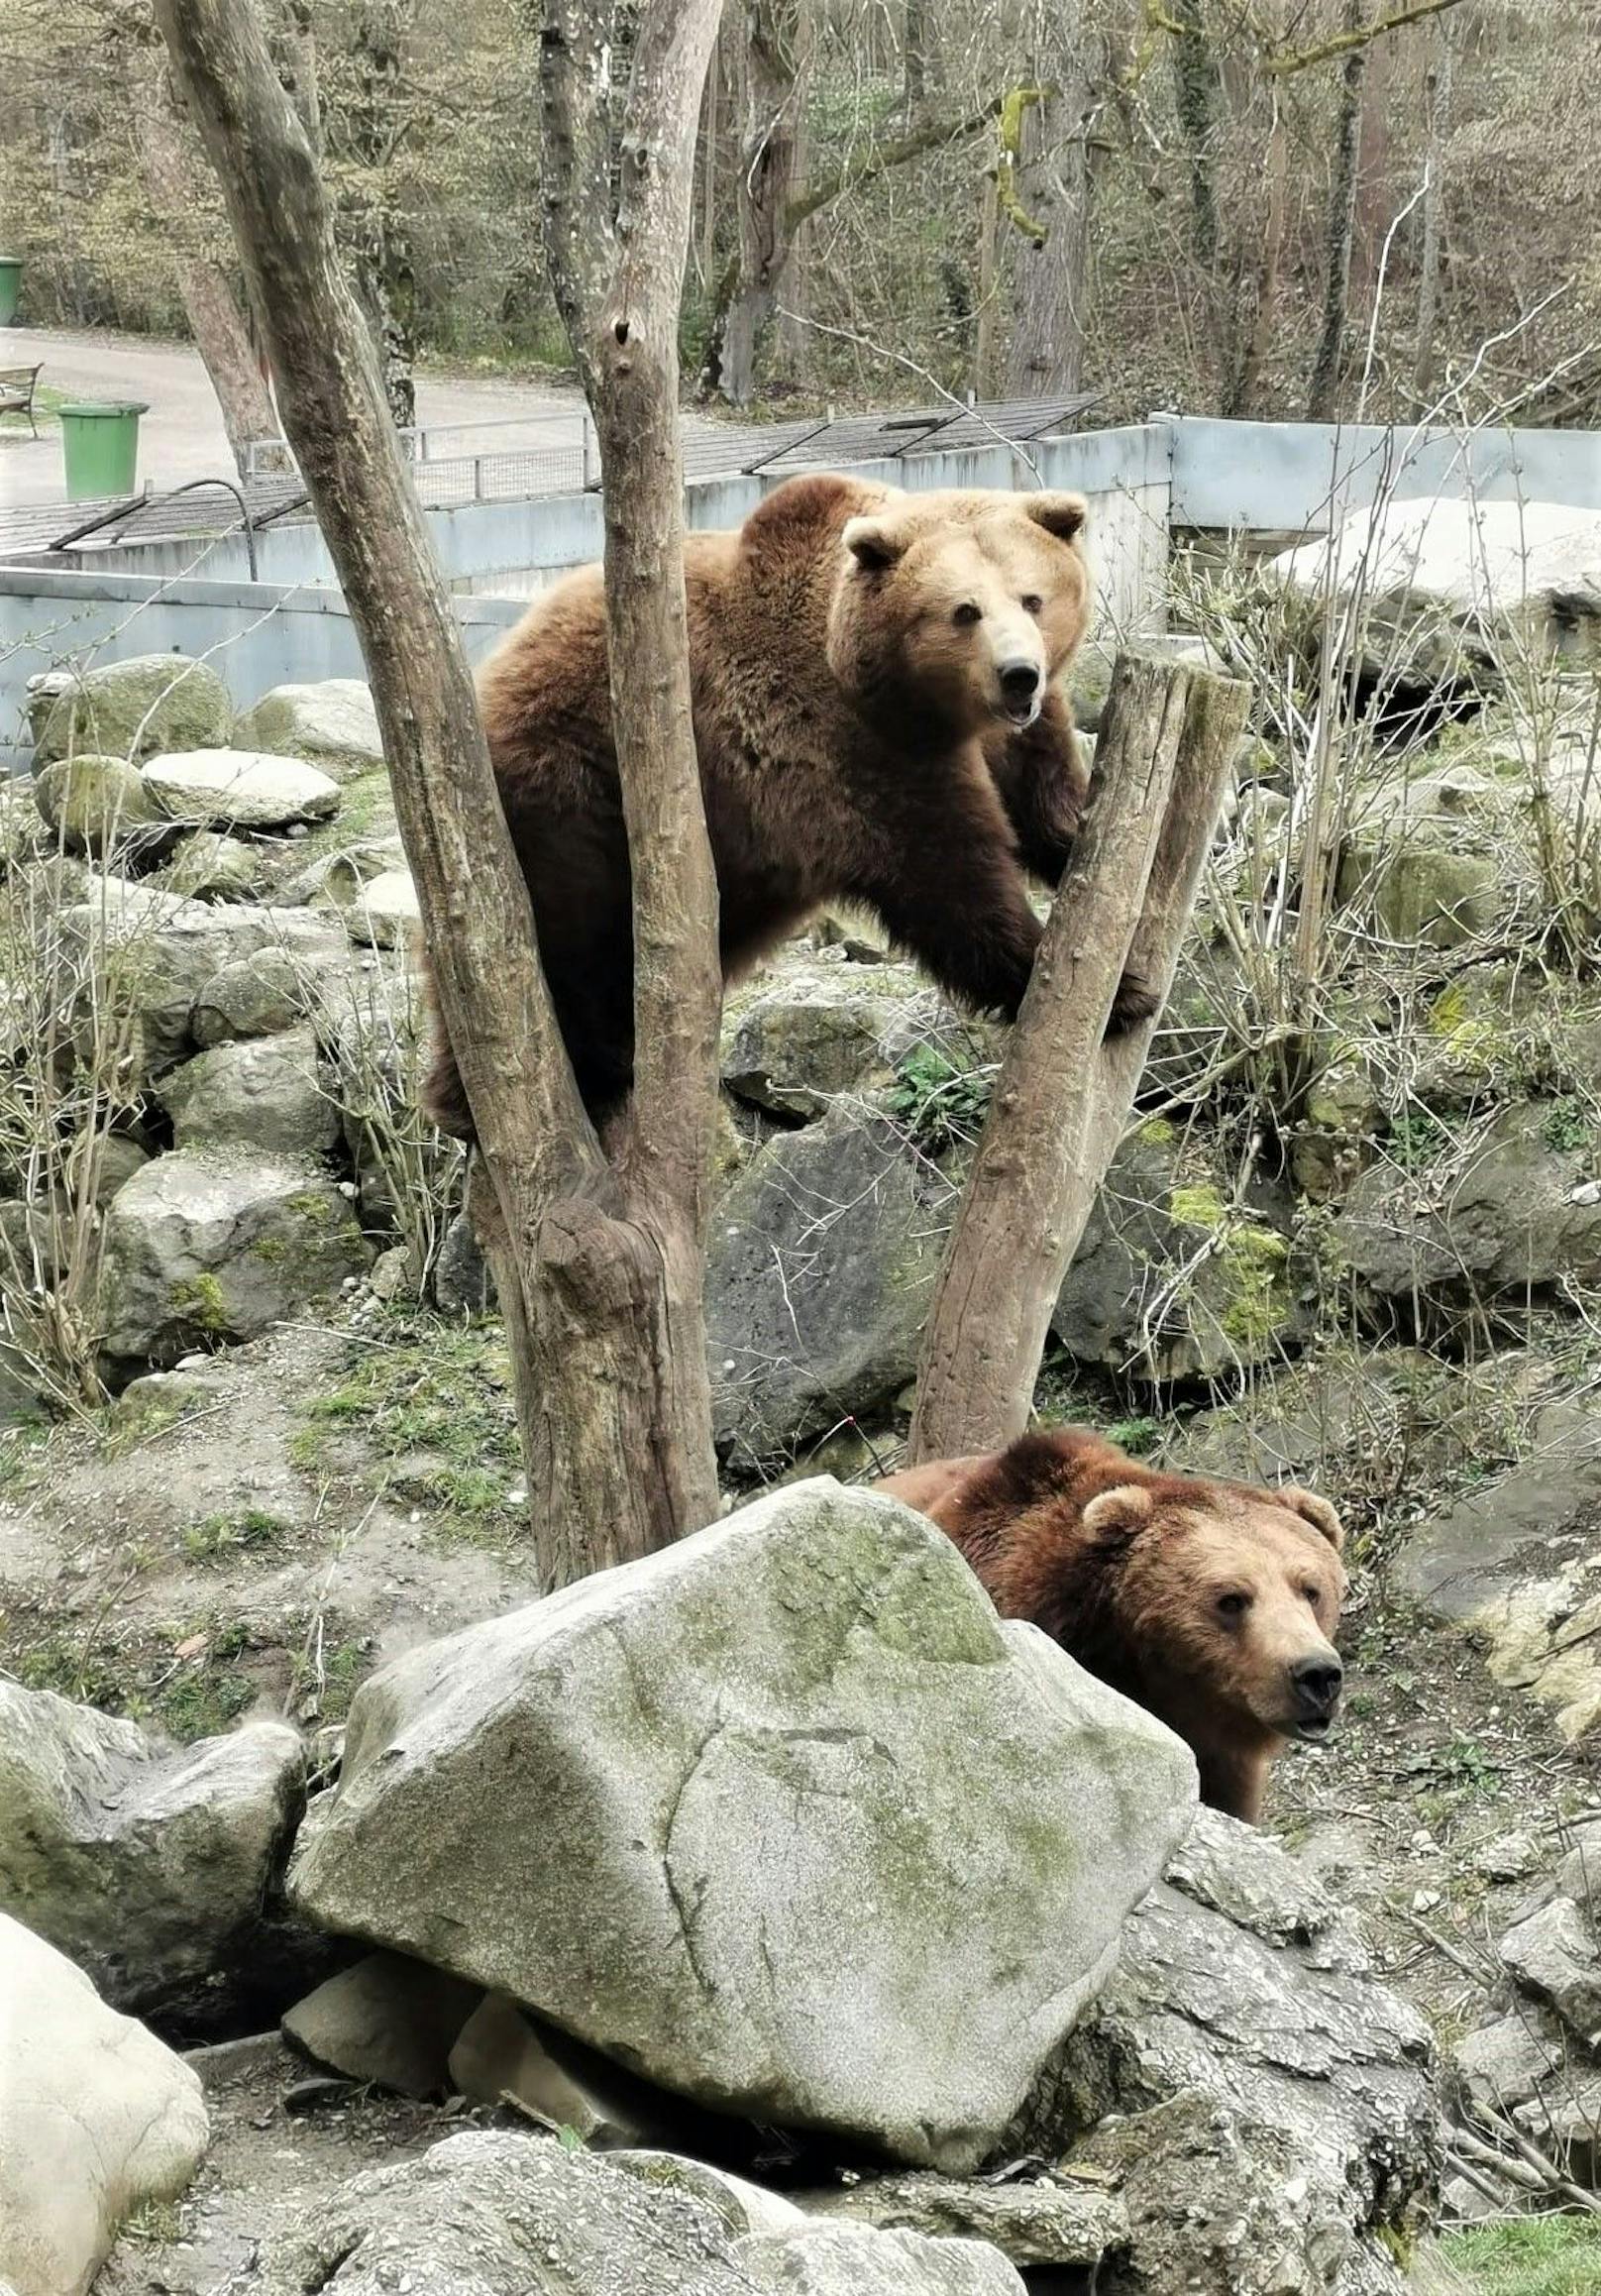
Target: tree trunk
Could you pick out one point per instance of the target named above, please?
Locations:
(1063, 1095)
(1324, 391)
(1054, 189)
(920, 57)
(778, 35)
(1256, 331)
(618, 288)
(1197, 87)
(299, 72)
(984, 337)
(385, 276)
(593, 1298)
(1438, 96)
(220, 328)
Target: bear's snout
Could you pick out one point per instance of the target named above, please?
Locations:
(1021, 682)
(1315, 1683)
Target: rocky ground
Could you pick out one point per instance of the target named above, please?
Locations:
(1352, 1236)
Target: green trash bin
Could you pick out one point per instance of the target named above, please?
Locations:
(10, 287)
(100, 438)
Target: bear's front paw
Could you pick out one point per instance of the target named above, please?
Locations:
(1134, 1003)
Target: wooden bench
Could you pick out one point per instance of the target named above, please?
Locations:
(17, 387)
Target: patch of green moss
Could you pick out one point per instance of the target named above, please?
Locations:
(1200, 1206)
(199, 1300)
(1157, 1132)
(1254, 1260)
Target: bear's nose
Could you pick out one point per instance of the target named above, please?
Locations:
(1020, 683)
(1317, 1681)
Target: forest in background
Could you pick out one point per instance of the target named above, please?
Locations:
(1282, 208)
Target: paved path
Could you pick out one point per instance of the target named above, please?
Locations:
(182, 437)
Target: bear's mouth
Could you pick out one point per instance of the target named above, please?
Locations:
(1313, 1730)
(1020, 713)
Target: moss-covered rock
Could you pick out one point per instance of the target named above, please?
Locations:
(209, 1246)
(134, 709)
(873, 1846)
(100, 805)
(1174, 1278)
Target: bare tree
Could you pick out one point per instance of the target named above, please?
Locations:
(1048, 151)
(1323, 391)
(385, 275)
(220, 326)
(1064, 1091)
(778, 35)
(596, 1264)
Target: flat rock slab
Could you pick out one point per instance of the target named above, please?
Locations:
(495, 2213)
(240, 788)
(783, 1818)
(1037, 2220)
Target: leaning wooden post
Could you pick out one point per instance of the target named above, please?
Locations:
(1064, 1091)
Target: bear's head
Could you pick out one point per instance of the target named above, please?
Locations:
(1232, 1596)
(959, 608)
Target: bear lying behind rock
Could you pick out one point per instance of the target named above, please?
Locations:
(1211, 1604)
(881, 713)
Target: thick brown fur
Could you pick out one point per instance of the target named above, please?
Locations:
(846, 650)
(1211, 1604)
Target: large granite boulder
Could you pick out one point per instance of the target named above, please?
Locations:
(821, 1266)
(146, 1863)
(1450, 590)
(264, 1093)
(783, 1818)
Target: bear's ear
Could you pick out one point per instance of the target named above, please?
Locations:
(1313, 1510)
(1060, 515)
(1116, 1516)
(874, 543)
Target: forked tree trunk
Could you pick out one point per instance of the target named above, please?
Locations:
(601, 1307)
(219, 326)
(1063, 1095)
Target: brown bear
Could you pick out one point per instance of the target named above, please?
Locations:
(1211, 1604)
(881, 716)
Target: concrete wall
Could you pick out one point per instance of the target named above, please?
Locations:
(1303, 477)
(256, 634)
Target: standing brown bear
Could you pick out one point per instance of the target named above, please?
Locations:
(1211, 1604)
(880, 714)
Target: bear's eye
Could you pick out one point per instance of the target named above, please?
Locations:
(1234, 1605)
(1311, 1594)
(1032, 604)
(965, 615)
